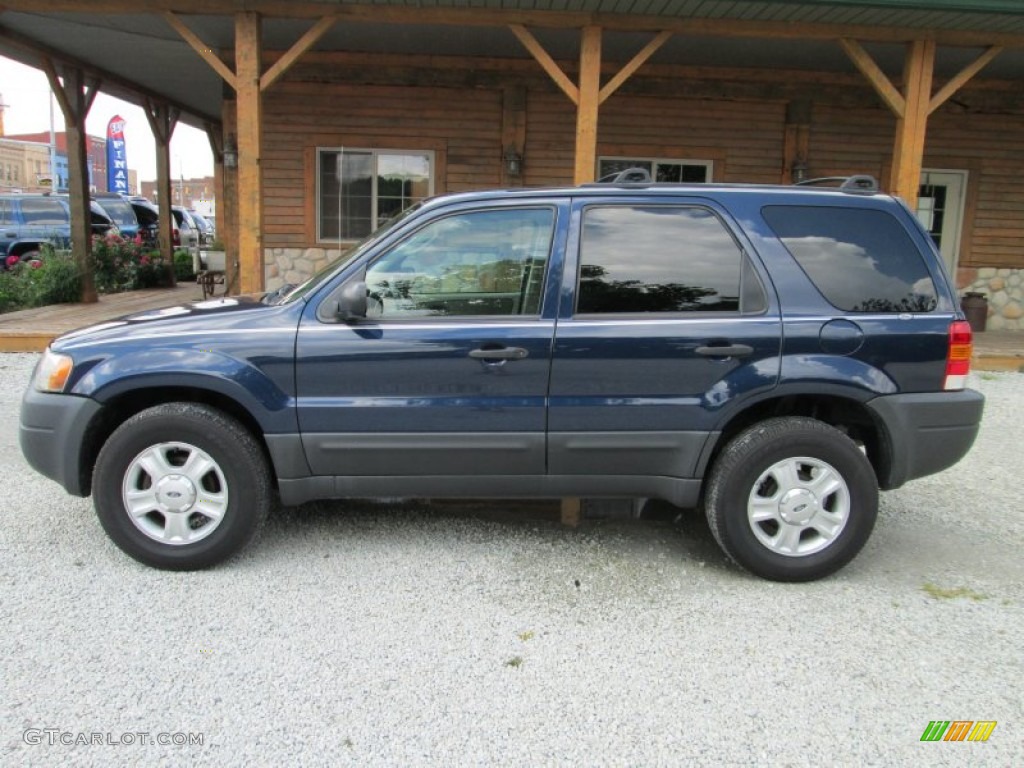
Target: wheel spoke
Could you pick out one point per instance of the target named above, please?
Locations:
(826, 523)
(211, 505)
(176, 527)
(760, 510)
(825, 483)
(787, 539)
(155, 463)
(196, 467)
(786, 475)
(141, 502)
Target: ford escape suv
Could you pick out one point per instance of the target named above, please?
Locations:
(774, 355)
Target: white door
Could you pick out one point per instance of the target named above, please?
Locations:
(940, 208)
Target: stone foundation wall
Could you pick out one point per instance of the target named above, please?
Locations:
(294, 265)
(1004, 289)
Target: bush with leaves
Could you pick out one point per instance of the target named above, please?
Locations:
(122, 265)
(184, 270)
(53, 278)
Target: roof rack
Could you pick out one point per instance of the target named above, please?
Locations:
(860, 183)
(628, 176)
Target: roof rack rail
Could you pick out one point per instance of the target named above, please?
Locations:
(861, 183)
(628, 176)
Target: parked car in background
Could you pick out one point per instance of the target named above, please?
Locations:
(187, 235)
(28, 222)
(148, 218)
(121, 211)
(207, 231)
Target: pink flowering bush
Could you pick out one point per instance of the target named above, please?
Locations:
(123, 265)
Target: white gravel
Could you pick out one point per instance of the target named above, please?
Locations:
(361, 635)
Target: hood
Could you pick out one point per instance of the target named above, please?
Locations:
(211, 315)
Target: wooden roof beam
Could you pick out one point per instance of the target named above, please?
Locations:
(962, 77)
(634, 64)
(544, 59)
(303, 44)
(878, 79)
(202, 49)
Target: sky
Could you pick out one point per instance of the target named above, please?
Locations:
(26, 91)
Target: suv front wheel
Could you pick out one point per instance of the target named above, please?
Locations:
(181, 486)
(791, 499)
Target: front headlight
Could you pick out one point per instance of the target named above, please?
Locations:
(52, 372)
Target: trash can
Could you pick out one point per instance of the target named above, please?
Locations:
(975, 306)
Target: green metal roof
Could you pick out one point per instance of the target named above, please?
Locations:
(972, 6)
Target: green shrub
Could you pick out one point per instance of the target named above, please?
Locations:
(184, 270)
(52, 279)
(56, 280)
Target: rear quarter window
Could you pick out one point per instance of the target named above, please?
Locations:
(861, 260)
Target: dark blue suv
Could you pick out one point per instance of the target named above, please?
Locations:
(773, 355)
(28, 222)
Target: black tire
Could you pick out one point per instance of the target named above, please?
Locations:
(790, 465)
(235, 489)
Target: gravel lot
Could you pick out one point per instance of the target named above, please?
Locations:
(366, 635)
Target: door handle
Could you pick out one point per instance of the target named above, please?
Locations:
(499, 353)
(725, 350)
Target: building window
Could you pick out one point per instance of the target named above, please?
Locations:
(359, 189)
(661, 169)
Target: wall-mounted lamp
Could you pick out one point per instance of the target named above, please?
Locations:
(230, 152)
(513, 162)
(798, 171)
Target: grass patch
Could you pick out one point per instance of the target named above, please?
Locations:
(527, 635)
(515, 661)
(941, 593)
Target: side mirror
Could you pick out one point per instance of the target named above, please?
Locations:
(352, 302)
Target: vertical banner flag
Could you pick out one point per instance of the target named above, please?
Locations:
(117, 157)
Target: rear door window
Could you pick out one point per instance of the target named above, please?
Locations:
(861, 260)
(43, 212)
(662, 259)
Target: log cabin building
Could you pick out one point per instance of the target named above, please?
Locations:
(326, 117)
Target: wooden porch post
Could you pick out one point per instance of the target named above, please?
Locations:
(250, 125)
(75, 98)
(588, 95)
(228, 213)
(586, 110)
(908, 149)
(163, 118)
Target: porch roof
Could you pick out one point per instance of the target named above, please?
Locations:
(136, 50)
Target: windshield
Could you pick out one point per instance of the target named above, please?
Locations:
(293, 294)
(120, 211)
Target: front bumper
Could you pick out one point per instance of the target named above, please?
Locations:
(928, 431)
(52, 435)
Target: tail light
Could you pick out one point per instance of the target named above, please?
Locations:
(958, 356)
(176, 236)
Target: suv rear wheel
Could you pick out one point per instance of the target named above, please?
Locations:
(792, 499)
(181, 486)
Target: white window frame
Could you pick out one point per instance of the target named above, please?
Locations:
(427, 153)
(709, 164)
